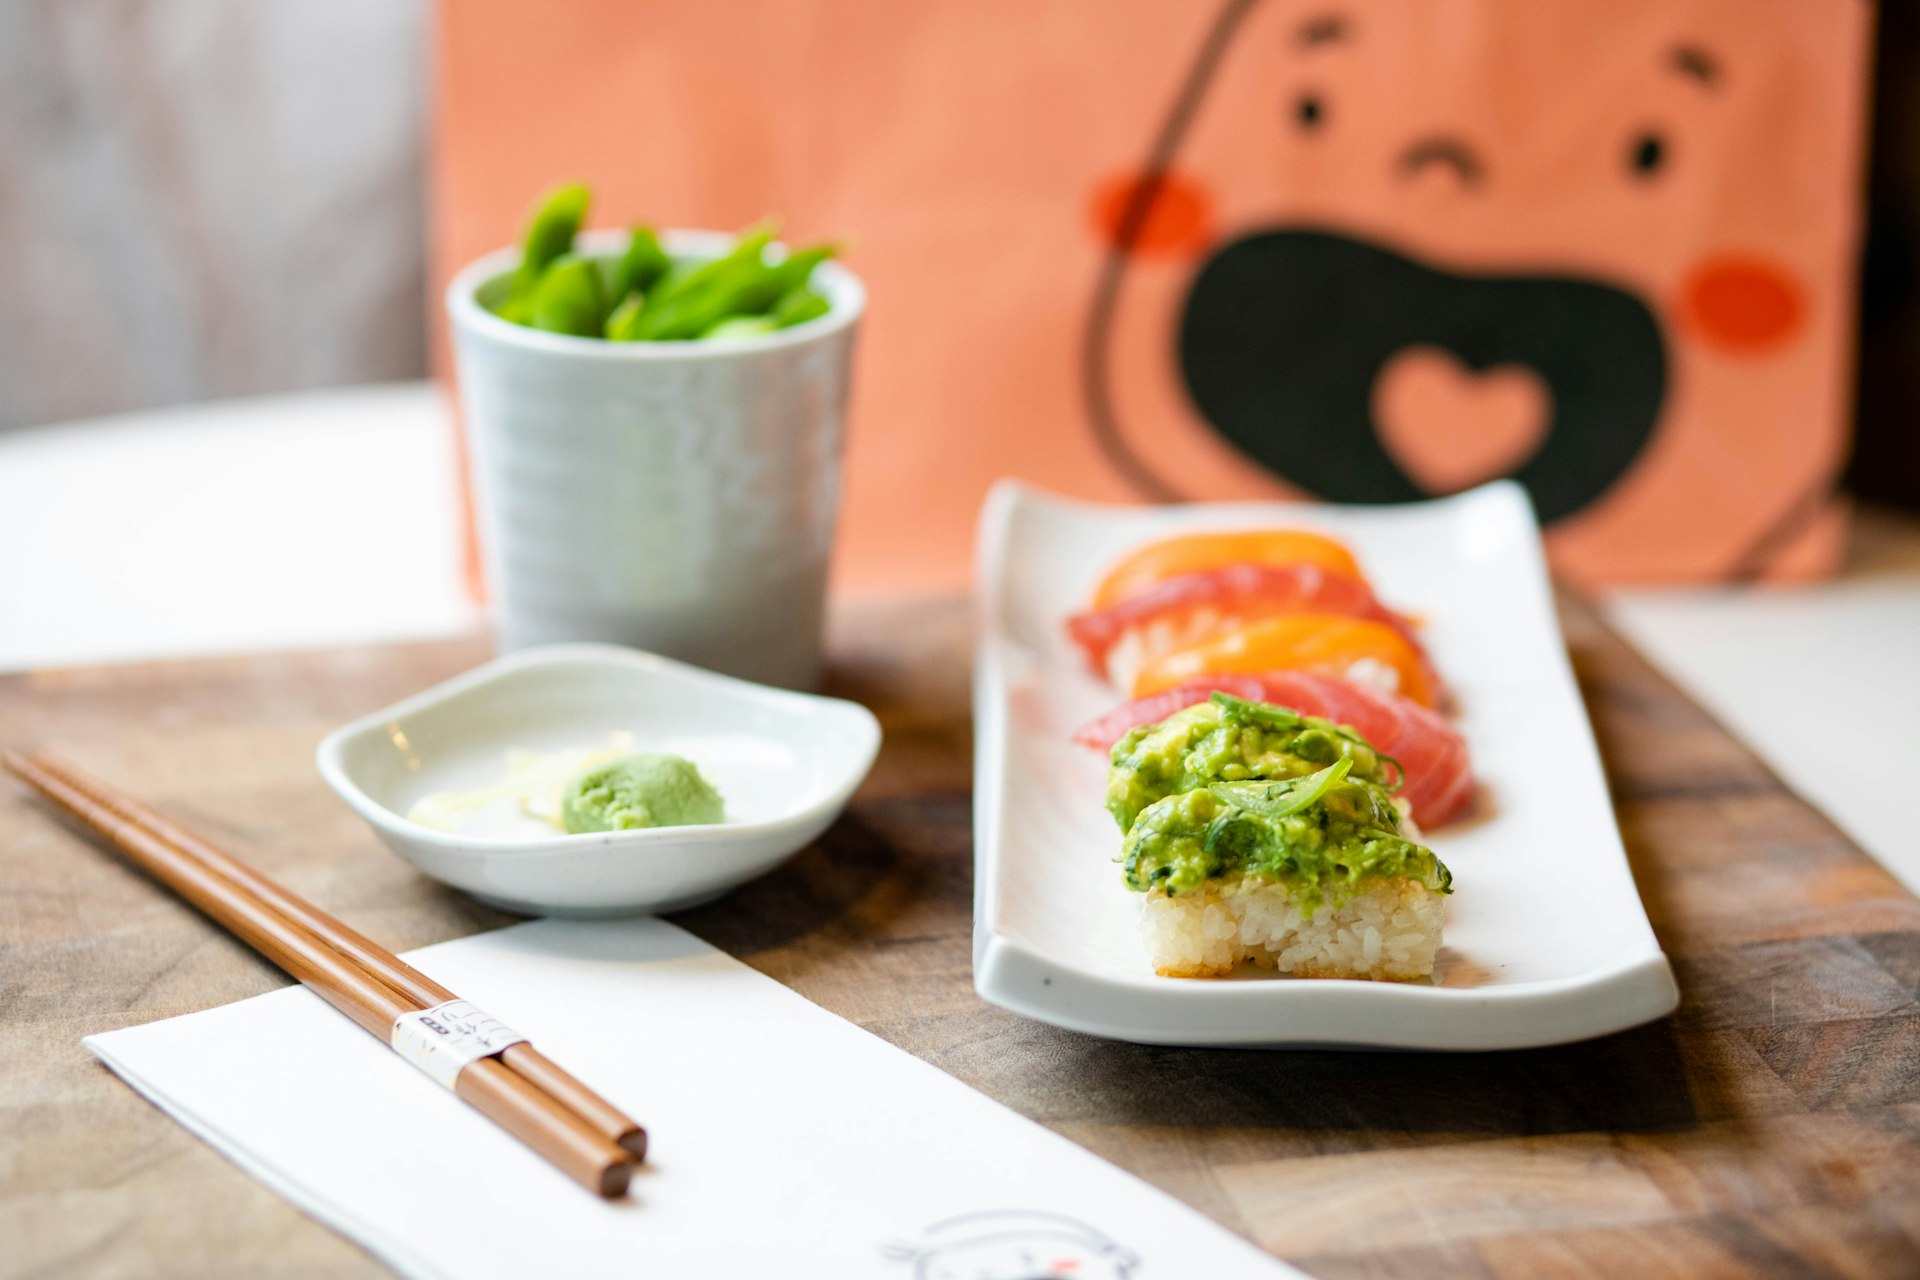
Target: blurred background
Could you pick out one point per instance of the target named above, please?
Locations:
(224, 225)
(208, 198)
(216, 198)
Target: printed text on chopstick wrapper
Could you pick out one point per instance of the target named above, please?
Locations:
(444, 1039)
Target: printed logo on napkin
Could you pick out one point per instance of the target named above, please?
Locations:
(441, 1041)
(1015, 1244)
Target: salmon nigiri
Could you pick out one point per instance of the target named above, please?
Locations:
(1191, 607)
(1198, 552)
(1357, 649)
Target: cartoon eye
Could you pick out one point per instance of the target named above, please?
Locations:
(1310, 112)
(1647, 155)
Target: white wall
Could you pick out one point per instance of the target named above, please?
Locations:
(204, 198)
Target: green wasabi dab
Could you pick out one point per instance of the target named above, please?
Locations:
(639, 791)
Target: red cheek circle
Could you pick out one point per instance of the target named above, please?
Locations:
(1743, 304)
(1177, 219)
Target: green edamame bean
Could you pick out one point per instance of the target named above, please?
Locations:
(675, 279)
(640, 266)
(624, 324)
(646, 295)
(550, 232)
(695, 313)
(516, 310)
(798, 307)
(706, 295)
(734, 328)
(570, 298)
(690, 277)
(781, 278)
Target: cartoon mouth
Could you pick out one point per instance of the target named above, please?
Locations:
(1286, 333)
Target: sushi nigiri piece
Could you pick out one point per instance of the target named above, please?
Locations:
(1103, 732)
(1198, 552)
(1431, 754)
(1231, 740)
(1310, 876)
(1355, 649)
(1188, 608)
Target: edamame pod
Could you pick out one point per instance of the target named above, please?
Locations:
(734, 328)
(624, 324)
(570, 298)
(708, 295)
(550, 234)
(643, 264)
(800, 306)
(646, 295)
(782, 278)
(696, 277)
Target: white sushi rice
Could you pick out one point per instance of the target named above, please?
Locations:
(1153, 640)
(1389, 930)
(1141, 644)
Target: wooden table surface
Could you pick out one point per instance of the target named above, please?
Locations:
(1770, 1127)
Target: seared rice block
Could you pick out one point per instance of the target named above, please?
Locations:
(1388, 930)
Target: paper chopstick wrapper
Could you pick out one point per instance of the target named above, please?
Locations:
(446, 1039)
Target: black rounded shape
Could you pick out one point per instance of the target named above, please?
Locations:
(1649, 153)
(1285, 333)
(1309, 112)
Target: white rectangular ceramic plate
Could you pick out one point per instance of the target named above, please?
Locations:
(1546, 939)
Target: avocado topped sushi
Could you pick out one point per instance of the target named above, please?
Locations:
(1229, 739)
(1259, 834)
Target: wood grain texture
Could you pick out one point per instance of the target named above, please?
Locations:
(1770, 1127)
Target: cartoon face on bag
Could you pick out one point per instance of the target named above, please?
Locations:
(1404, 247)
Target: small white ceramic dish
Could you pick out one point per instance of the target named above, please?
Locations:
(1546, 939)
(785, 764)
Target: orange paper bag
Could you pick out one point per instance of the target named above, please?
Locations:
(1366, 251)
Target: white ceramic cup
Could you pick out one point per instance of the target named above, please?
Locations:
(679, 497)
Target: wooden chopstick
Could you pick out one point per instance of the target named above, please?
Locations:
(525, 1060)
(511, 1100)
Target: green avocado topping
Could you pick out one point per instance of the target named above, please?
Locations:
(1319, 835)
(1230, 739)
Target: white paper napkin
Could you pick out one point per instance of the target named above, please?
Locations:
(1848, 647)
(786, 1142)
